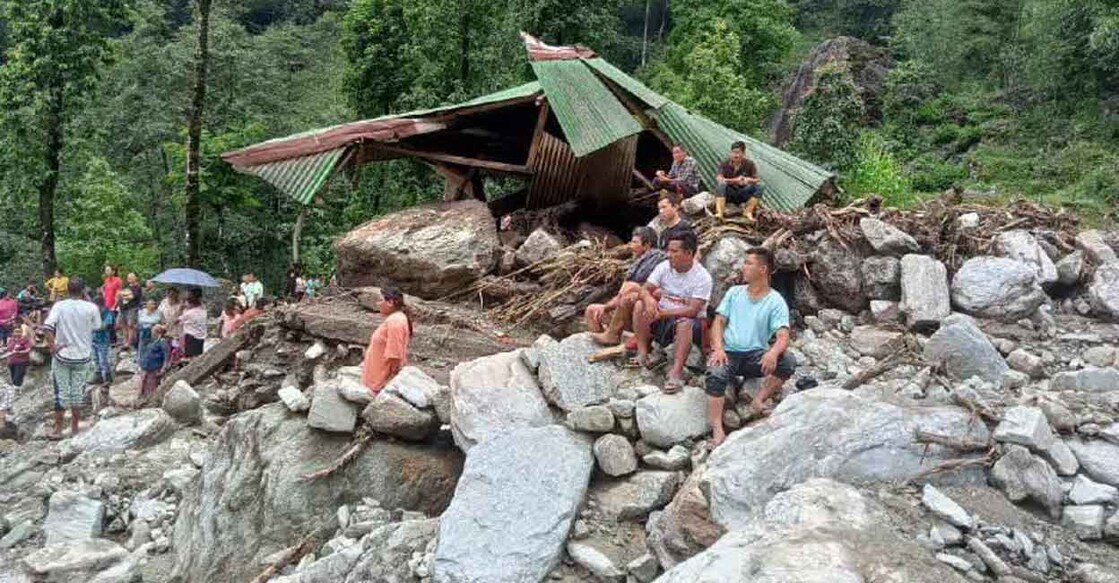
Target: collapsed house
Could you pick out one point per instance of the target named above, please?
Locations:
(583, 131)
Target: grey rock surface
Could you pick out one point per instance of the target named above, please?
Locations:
(997, 287)
(925, 299)
(493, 395)
(665, 420)
(569, 381)
(964, 351)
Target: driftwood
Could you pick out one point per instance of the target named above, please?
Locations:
(292, 555)
(361, 441)
(215, 359)
(952, 442)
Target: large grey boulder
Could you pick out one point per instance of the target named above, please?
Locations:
(133, 430)
(1023, 476)
(74, 560)
(997, 287)
(886, 238)
(569, 381)
(330, 411)
(684, 528)
(384, 554)
(1087, 380)
(514, 505)
(1021, 246)
(429, 251)
(391, 415)
(251, 499)
(882, 278)
(72, 516)
(183, 403)
(964, 351)
(1070, 268)
(831, 433)
(634, 497)
(494, 395)
(1095, 247)
(665, 420)
(1099, 459)
(539, 245)
(924, 291)
(1104, 291)
(416, 387)
(724, 262)
(615, 455)
(838, 277)
(816, 531)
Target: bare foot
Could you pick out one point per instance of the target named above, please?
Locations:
(717, 439)
(605, 339)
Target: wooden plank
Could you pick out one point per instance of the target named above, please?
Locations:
(215, 359)
(537, 134)
(452, 159)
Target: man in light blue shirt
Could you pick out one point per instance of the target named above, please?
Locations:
(748, 339)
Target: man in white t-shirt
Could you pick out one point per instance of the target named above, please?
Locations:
(672, 307)
(69, 328)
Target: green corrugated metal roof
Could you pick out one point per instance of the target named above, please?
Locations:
(637, 88)
(789, 181)
(503, 95)
(300, 178)
(591, 117)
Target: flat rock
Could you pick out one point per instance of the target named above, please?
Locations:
(569, 381)
(511, 514)
(964, 351)
(831, 433)
(615, 455)
(882, 278)
(593, 419)
(493, 395)
(925, 299)
(875, 342)
(634, 497)
(71, 557)
(997, 287)
(330, 411)
(1023, 476)
(1086, 521)
(665, 420)
(1021, 246)
(391, 415)
(945, 508)
(1102, 356)
(1095, 247)
(1088, 380)
(294, 399)
(1086, 491)
(415, 386)
(1099, 459)
(1024, 426)
(886, 238)
(72, 516)
(132, 430)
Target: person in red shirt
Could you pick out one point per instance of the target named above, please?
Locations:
(18, 352)
(387, 352)
(110, 288)
(9, 311)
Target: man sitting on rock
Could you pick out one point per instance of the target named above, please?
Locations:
(669, 220)
(608, 321)
(749, 338)
(682, 177)
(737, 181)
(672, 306)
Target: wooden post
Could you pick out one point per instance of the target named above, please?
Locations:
(297, 233)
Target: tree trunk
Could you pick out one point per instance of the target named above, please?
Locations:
(54, 125)
(194, 132)
(645, 33)
(296, 234)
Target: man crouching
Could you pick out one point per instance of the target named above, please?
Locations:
(748, 319)
(608, 321)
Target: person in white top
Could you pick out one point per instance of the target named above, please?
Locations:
(673, 307)
(69, 329)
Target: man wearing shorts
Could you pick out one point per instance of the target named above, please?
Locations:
(672, 306)
(69, 328)
(748, 338)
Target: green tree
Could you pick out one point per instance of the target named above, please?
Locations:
(827, 124)
(54, 50)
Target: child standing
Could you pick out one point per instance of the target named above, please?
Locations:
(154, 361)
(145, 321)
(102, 339)
(18, 352)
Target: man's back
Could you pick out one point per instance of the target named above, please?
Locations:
(73, 322)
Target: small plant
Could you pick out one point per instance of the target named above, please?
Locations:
(877, 171)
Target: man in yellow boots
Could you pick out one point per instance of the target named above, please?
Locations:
(737, 181)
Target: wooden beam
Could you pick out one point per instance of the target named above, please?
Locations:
(541, 119)
(484, 108)
(452, 159)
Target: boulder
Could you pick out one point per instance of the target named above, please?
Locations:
(963, 351)
(697, 204)
(415, 386)
(251, 498)
(430, 250)
(330, 411)
(493, 395)
(386, 553)
(1085, 491)
(539, 246)
(945, 508)
(997, 287)
(634, 497)
(1070, 268)
(1085, 521)
(1026, 426)
(832, 433)
(882, 278)
(1101, 356)
(665, 420)
(569, 381)
(391, 415)
(183, 403)
(837, 276)
(676, 458)
(884, 312)
(1093, 244)
(684, 528)
(1023, 476)
(887, 239)
(1021, 246)
(593, 419)
(924, 291)
(615, 455)
(511, 514)
(72, 516)
(724, 262)
(1099, 459)
(74, 559)
(875, 342)
(1104, 291)
(1023, 361)
(816, 531)
(133, 430)
(294, 399)
(1087, 380)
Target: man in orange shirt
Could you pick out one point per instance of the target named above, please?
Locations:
(388, 347)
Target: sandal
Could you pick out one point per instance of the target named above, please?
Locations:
(673, 386)
(636, 362)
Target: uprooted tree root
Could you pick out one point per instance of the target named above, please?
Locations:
(584, 273)
(361, 441)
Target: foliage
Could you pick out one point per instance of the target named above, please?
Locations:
(827, 124)
(875, 170)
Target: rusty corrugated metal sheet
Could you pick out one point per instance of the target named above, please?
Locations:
(300, 178)
(559, 176)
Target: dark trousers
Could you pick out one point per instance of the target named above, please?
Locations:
(18, 371)
(738, 194)
(747, 365)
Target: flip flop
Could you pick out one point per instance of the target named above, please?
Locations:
(673, 386)
(655, 360)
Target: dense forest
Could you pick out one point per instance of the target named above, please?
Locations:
(1009, 98)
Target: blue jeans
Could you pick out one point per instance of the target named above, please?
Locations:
(103, 362)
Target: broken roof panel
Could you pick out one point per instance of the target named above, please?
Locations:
(638, 89)
(591, 117)
(789, 181)
(300, 178)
